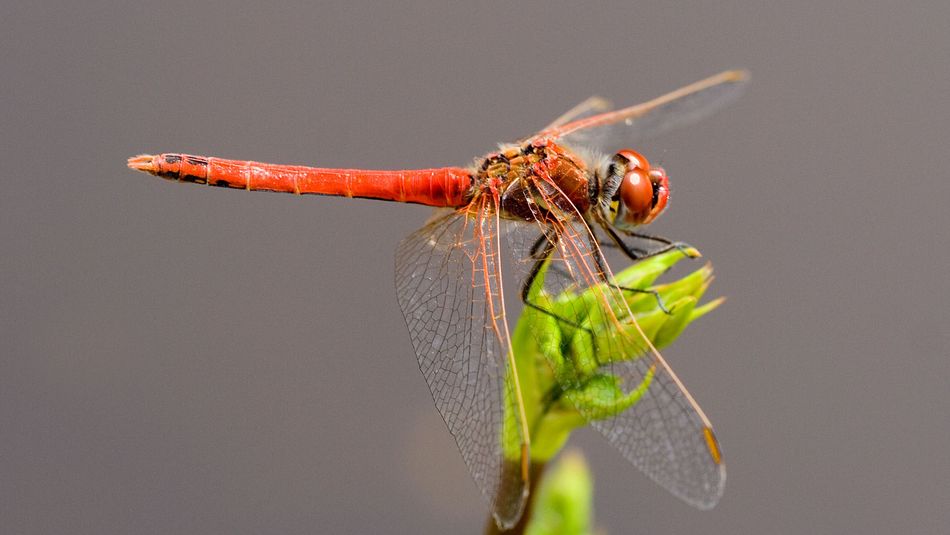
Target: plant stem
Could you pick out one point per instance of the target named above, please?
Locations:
(537, 471)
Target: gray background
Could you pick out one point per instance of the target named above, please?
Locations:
(178, 359)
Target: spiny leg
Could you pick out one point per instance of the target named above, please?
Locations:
(654, 293)
(635, 253)
(602, 270)
(540, 252)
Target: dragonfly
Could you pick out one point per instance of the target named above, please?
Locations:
(546, 206)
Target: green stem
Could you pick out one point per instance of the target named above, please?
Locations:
(537, 472)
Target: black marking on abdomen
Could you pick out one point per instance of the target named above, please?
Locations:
(221, 183)
(194, 179)
(172, 158)
(197, 160)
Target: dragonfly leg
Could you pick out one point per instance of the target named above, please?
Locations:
(540, 252)
(602, 269)
(654, 293)
(635, 253)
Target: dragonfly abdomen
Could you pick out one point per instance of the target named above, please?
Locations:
(441, 187)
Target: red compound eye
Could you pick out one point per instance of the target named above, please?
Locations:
(643, 192)
(636, 193)
(661, 192)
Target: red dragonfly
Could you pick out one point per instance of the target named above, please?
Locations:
(560, 196)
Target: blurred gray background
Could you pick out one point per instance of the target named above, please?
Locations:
(179, 359)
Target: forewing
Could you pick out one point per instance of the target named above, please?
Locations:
(650, 418)
(615, 130)
(447, 286)
(591, 106)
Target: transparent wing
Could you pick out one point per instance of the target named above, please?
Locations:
(591, 106)
(666, 435)
(615, 130)
(614, 377)
(448, 288)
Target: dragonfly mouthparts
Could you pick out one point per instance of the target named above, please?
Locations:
(143, 162)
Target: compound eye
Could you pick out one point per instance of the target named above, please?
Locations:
(636, 189)
(661, 192)
(636, 193)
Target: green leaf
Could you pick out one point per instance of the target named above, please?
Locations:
(602, 398)
(564, 370)
(564, 503)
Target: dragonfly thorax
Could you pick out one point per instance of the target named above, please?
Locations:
(538, 180)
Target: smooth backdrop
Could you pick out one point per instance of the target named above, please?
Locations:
(180, 359)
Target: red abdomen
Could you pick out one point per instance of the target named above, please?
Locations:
(441, 187)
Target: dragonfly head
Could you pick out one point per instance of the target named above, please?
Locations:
(639, 193)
